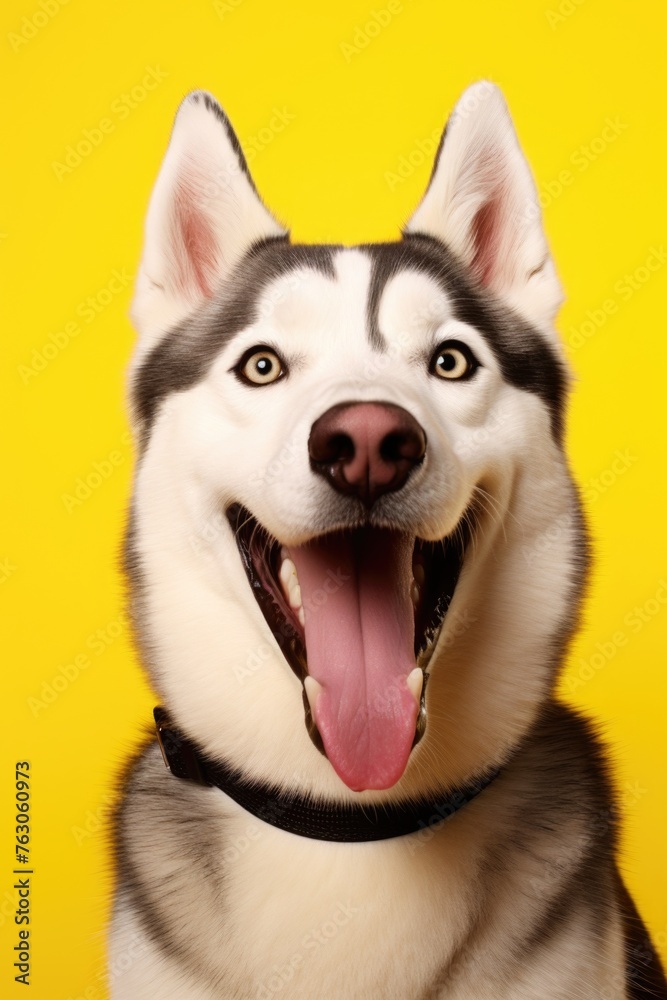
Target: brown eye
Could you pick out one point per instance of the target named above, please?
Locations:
(453, 360)
(260, 366)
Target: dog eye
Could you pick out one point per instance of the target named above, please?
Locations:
(453, 360)
(260, 366)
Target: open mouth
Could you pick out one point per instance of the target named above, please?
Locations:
(357, 614)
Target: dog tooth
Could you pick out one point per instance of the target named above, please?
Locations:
(287, 571)
(415, 683)
(295, 596)
(415, 593)
(289, 580)
(302, 617)
(313, 689)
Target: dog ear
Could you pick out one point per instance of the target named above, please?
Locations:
(204, 214)
(482, 202)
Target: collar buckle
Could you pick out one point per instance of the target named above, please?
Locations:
(177, 752)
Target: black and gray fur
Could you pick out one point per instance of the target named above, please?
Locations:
(518, 896)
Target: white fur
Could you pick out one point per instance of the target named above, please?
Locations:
(484, 432)
(481, 167)
(401, 911)
(221, 202)
(219, 669)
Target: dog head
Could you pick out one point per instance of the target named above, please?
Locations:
(351, 463)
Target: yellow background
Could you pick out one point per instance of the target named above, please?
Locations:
(358, 114)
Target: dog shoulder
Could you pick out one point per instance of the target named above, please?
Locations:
(568, 767)
(566, 761)
(645, 976)
(153, 800)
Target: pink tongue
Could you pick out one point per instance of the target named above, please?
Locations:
(355, 590)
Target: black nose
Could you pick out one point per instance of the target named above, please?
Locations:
(366, 449)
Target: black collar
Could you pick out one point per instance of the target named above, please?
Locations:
(319, 820)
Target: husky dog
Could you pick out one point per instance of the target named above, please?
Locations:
(356, 558)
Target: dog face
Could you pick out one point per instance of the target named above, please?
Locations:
(339, 446)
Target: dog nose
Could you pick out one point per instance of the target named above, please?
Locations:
(366, 449)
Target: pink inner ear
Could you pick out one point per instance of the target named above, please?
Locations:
(195, 247)
(490, 235)
(487, 242)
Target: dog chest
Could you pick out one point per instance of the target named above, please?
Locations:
(312, 914)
